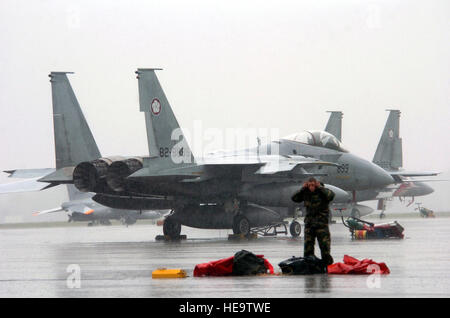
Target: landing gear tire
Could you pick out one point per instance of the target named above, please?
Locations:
(382, 215)
(356, 213)
(241, 225)
(295, 229)
(171, 227)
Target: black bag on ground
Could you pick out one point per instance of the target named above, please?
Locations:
(247, 263)
(303, 266)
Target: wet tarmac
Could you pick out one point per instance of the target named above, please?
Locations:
(115, 261)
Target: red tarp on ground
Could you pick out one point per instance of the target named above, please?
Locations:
(352, 265)
(222, 267)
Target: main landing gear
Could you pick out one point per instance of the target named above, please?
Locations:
(244, 220)
(171, 227)
(242, 226)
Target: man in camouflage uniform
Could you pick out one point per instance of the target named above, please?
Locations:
(316, 199)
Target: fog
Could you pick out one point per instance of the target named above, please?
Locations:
(258, 64)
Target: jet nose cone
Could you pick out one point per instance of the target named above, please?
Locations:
(380, 177)
(426, 189)
(430, 190)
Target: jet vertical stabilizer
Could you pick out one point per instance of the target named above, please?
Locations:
(168, 147)
(334, 125)
(75, 194)
(389, 151)
(74, 142)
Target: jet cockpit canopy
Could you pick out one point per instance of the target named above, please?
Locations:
(318, 139)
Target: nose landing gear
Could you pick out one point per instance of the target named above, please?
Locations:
(295, 229)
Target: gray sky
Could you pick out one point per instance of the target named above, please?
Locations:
(232, 64)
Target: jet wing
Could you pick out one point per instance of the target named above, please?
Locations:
(59, 209)
(60, 176)
(292, 166)
(29, 173)
(248, 165)
(276, 165)
(402, 173)
(79, 208)
(193, 173)
(24, 186)
(36, 179)
(426, 180)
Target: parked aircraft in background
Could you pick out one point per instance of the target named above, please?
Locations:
(389, 156)
(81, 208)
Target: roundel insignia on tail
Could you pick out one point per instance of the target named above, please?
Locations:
(155, 106)
(391, 133)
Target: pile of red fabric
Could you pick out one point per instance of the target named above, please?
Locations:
(352, 265)
(223, 267)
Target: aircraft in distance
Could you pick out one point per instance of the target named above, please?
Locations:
(389, 156)
(73, 143)
(81, 208)
(238, 190)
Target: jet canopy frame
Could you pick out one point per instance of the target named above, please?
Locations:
(317, 138)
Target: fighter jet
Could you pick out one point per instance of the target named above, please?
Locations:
(388, 156)
(239, 190)
(334, 124)
(81, 208)
(74, 143)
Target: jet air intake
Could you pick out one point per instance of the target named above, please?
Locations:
(118, 171)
